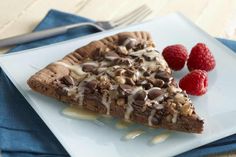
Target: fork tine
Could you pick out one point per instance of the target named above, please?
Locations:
(138, 17)
(126, 16)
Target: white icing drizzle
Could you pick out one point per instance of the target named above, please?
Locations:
(159, 138)
(153, 112)
(133, 134)
(104, 64)
(129, 108)
(138, 53)
(80, 94)
(80, 113)
(81, 89)
(102, 69)
(150, 52)
(71, 91)
(128, 40)
(137, 74)
(156, 61)
(174, 119)
(75, 68)
(122, 124)
(111, 58)
(158, 106)
(106, 101)
(93, 63)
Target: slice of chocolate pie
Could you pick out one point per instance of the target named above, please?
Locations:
(123, 76)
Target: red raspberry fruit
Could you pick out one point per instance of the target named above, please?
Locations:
(175, 56)
(195, 82)
(201, 58)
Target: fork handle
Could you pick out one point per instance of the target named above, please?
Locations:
(24, 38)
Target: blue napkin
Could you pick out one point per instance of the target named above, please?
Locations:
(24, 134)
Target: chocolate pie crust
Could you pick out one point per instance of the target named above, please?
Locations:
(124, 76)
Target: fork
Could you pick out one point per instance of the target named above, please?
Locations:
(134, 16)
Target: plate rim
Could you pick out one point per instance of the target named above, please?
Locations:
(27, 97)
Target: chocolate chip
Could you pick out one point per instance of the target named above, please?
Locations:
(125, 88)
(146, 73)
(129, 81)
(88, 68)
(104, 84)
(124, 61)
(139, 60)
(97, 54)
(166, 77)
(147, 86)
(154, 93)
(129, 73)
(69, 81)
(140, 95)
(156, 82)
(91, 87)
(92, 84)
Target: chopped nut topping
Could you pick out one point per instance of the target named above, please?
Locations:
(186, 109)
(120, 79)
(173, 89)
(122, 70)
(119, 72)
(180, 98)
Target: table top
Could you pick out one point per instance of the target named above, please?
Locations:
(216, 17)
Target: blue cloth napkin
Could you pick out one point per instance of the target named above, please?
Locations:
(24, 134)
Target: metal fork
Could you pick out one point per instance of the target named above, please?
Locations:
(136, 15)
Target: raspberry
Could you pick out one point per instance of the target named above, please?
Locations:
(195, 82)
(201, 58)
(175, 56)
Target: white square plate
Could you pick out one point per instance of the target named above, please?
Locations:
(85, 138)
